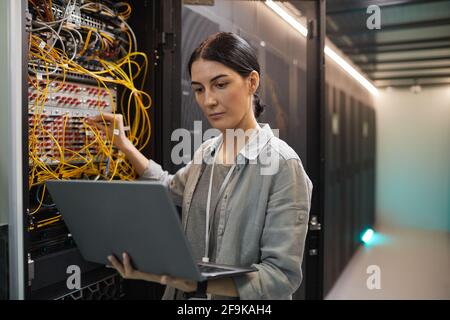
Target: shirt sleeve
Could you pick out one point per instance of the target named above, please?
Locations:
(174, 182)
(283, 238)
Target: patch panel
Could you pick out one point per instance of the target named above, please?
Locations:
(56, 134)
(67, 96)
(70, 76)
(57, 111)
(77, 18)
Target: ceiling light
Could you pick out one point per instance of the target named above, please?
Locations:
(328, 51)
(287, 17)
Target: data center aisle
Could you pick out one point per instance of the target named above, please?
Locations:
(413, 264)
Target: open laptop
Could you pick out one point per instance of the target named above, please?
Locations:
(136, 217)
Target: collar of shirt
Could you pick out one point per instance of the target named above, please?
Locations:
(250, 151)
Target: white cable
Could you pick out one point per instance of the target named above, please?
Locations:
(66, 13)
(66, 16)
(132, 33)
(55, 69)
(53, 22)
(77, 32)
(75, 51)
(46, 26)
(97, 38)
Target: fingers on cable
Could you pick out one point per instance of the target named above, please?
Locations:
(100, 126)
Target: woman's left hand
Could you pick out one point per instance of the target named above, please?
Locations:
(128, 272)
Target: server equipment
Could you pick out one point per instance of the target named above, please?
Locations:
(81, 58)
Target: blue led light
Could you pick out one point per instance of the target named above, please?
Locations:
(367, 236)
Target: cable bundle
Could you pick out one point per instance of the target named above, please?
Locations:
(68, 38)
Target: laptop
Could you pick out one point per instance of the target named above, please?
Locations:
(136, 217)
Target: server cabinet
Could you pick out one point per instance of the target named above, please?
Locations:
(36, 248)
(349, 183)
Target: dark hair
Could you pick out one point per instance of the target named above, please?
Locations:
(233, 52)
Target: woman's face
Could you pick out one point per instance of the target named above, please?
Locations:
(223, 95)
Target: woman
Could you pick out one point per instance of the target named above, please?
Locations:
(258, 217)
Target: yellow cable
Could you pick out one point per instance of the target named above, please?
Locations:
(113, 73)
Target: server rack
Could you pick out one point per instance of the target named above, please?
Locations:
(349, 181)
(44, 276)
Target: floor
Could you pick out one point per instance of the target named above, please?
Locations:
(400, 264)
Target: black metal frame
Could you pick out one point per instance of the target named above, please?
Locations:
(418, 76)
(364, 49)
(374, 62)
(361, 5)
(373, 70)
(315, 164)
(157, 27)
(428, 85)
(170, 73)
(377, 51)
(392, 27)
(160, 37)
(370, 45)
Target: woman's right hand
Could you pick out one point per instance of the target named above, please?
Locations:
(113, 125)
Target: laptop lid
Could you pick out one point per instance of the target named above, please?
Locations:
(138, 217)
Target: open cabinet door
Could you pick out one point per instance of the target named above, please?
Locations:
(315, 165)
(32, 266)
